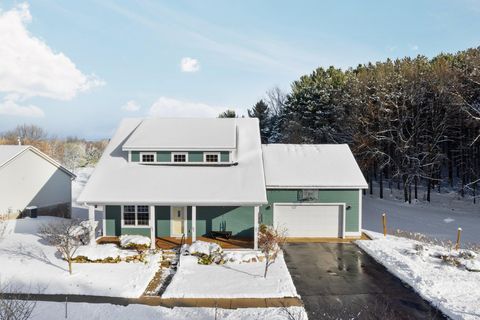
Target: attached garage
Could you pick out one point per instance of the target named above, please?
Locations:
(313, 191)
(307, 220)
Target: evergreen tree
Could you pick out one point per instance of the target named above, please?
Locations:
(261, 111)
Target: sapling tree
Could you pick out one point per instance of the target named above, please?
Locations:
(67, 236)
(269, 241)
(13, 305)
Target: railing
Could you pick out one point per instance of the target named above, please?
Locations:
(182, 242)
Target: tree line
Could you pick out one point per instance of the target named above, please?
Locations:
(410, 122)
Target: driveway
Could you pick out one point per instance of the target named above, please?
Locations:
(338, 280)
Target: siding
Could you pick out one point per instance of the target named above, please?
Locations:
(30, 180)
(164, 156)
(350, 197)
(135, 156)
(113, 216)
(162, 221)
(195, 156)
(224, 156)
(239, 220)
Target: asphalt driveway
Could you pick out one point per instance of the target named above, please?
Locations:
(340, 281)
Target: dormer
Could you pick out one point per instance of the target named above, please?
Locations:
(183, 142)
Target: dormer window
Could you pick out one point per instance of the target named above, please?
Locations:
(147, 157)
(179, 157)
(211, 157)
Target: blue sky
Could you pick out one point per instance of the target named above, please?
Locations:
(79, 67)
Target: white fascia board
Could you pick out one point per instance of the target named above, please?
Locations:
(172, 203)
(318, 187)
(177, 148)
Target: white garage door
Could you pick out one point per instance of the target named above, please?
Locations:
(309, 220)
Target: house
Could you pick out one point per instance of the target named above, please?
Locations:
(188, 177)
(28, 177)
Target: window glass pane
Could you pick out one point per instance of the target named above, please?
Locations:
(211, 157)
(142, 216)
(147, 158)
(179, 158)
(129, 215)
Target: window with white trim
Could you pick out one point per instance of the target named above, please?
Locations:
(136, 215)
(179, 157)
(147, 157)
(212, 157)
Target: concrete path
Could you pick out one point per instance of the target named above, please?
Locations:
(158, 301)
(340, 280)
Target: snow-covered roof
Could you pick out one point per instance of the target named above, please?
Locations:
(311, 166)
(9, 152)
(117, 181)
(183, 134)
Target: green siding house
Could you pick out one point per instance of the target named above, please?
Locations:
(189, 177)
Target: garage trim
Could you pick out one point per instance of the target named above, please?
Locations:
(342, 204)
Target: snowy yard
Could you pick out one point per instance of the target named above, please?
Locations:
(81, 311)
(438, 219)
(453, 290)
(30, 265)
(230, 280)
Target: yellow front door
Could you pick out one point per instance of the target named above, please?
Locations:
(176, 221)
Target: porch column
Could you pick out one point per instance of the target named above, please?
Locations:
(91, 220)
(256, 209)
(152, 227)
(194, 224)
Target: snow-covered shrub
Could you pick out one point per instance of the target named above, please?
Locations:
(106, 253)
(467, 254)
(139, 243)
(199, 248)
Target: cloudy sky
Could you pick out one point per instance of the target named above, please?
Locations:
(79, 67)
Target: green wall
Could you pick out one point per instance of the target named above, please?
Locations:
(162, 220)
(113, 224)
(239, 220)
(135, 156)
(224, 156)
(164, 156)
(195, 156)
(350, 197)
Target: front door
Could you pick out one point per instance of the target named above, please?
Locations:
(176, 221)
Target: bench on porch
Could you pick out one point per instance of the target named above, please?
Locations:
(220, 234)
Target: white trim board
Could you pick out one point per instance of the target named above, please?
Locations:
(342, 204)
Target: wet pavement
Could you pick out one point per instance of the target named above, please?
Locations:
(340, 281)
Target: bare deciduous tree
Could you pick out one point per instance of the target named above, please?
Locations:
(269, 241)
(14, 306)
(67, 236)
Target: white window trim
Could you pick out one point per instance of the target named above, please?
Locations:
(179, 153)
(136, 225)
(213, 154)
(148, 153)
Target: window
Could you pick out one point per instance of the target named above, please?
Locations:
(148, 157)
(136, 216)
(129, 215)
(179, 157)
(212, 157)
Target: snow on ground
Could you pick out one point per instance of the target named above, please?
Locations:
(30, 265)
(81, 311)
(438, 219)
(230, 280)
(455, 291)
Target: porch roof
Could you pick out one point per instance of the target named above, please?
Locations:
(116, 181)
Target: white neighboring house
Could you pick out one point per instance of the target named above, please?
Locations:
(28, 177)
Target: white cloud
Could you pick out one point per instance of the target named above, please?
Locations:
(9, 106)
(189, 65)
(169, 107)
(131, 106)
(30, 68)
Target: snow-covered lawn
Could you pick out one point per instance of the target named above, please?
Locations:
(30, 265)
(81, 311)
(230, 280)
(453, 290)
(438, 219)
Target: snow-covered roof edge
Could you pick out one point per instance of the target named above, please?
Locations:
(42, 155)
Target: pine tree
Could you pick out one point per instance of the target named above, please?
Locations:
(261, 111)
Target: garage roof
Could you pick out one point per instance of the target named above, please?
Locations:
(323, 166)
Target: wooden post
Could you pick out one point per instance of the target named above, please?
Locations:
(459, 234)
(384, 220)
